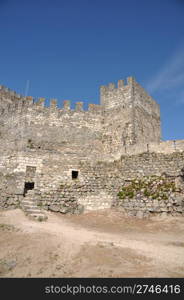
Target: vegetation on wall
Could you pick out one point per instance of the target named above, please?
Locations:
(153, 187)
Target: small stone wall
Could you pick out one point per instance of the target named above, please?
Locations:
(143, 197)
(144, 207)
(95, 188)
(8, 198)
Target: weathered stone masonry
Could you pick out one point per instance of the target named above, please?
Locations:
(76, 160)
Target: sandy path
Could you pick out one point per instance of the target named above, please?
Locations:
(82, 249)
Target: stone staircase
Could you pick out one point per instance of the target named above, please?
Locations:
(30, 207)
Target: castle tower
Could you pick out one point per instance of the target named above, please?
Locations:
(131, 116)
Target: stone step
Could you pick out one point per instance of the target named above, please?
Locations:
(30, 205)
(32, 210)
(36, 214)
(27, 200)
(30, 199)
(34, 202)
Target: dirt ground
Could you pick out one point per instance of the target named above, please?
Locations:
(95, 244)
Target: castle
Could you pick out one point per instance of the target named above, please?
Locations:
(68, 160)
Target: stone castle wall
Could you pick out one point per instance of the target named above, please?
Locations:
(96, 187)
(31, 125)
(107, 145)
(127, 115)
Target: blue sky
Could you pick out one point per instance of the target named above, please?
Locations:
(68, 48)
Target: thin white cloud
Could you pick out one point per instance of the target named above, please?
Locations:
(171, 74)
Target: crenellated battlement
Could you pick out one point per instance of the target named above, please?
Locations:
(12, 102)
(126, 116)
(4, 91)
(119, 95)
(112, 87)
(126, 93)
